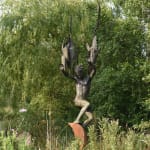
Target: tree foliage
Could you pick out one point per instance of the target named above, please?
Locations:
(30, 41)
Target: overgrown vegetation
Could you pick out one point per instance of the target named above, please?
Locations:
(111, 137)
(31, 34)
(108, 135)
(12, 142)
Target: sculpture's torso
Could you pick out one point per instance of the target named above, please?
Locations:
(82, 88)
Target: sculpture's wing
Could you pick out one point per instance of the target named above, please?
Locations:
(65, 52)
(70, 54)
(94, 43)
(92, 51)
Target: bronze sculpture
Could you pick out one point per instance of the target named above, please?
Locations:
(82, 81)
(71, 69)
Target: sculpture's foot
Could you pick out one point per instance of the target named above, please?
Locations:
(79, 133)
(86, 123)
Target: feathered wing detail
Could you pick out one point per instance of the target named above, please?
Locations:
(69, 55)
(92, 51)
(65, 56)
(94, 42)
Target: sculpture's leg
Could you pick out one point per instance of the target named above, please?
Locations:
(84, 104)
(90, 118)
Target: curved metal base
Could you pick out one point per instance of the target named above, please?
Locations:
(79, 133)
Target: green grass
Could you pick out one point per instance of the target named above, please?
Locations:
(111, 137)
(108, 135)
(12, 142)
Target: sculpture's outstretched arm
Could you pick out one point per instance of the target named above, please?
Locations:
(62, 68)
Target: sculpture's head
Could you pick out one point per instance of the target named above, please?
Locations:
(79, 71)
